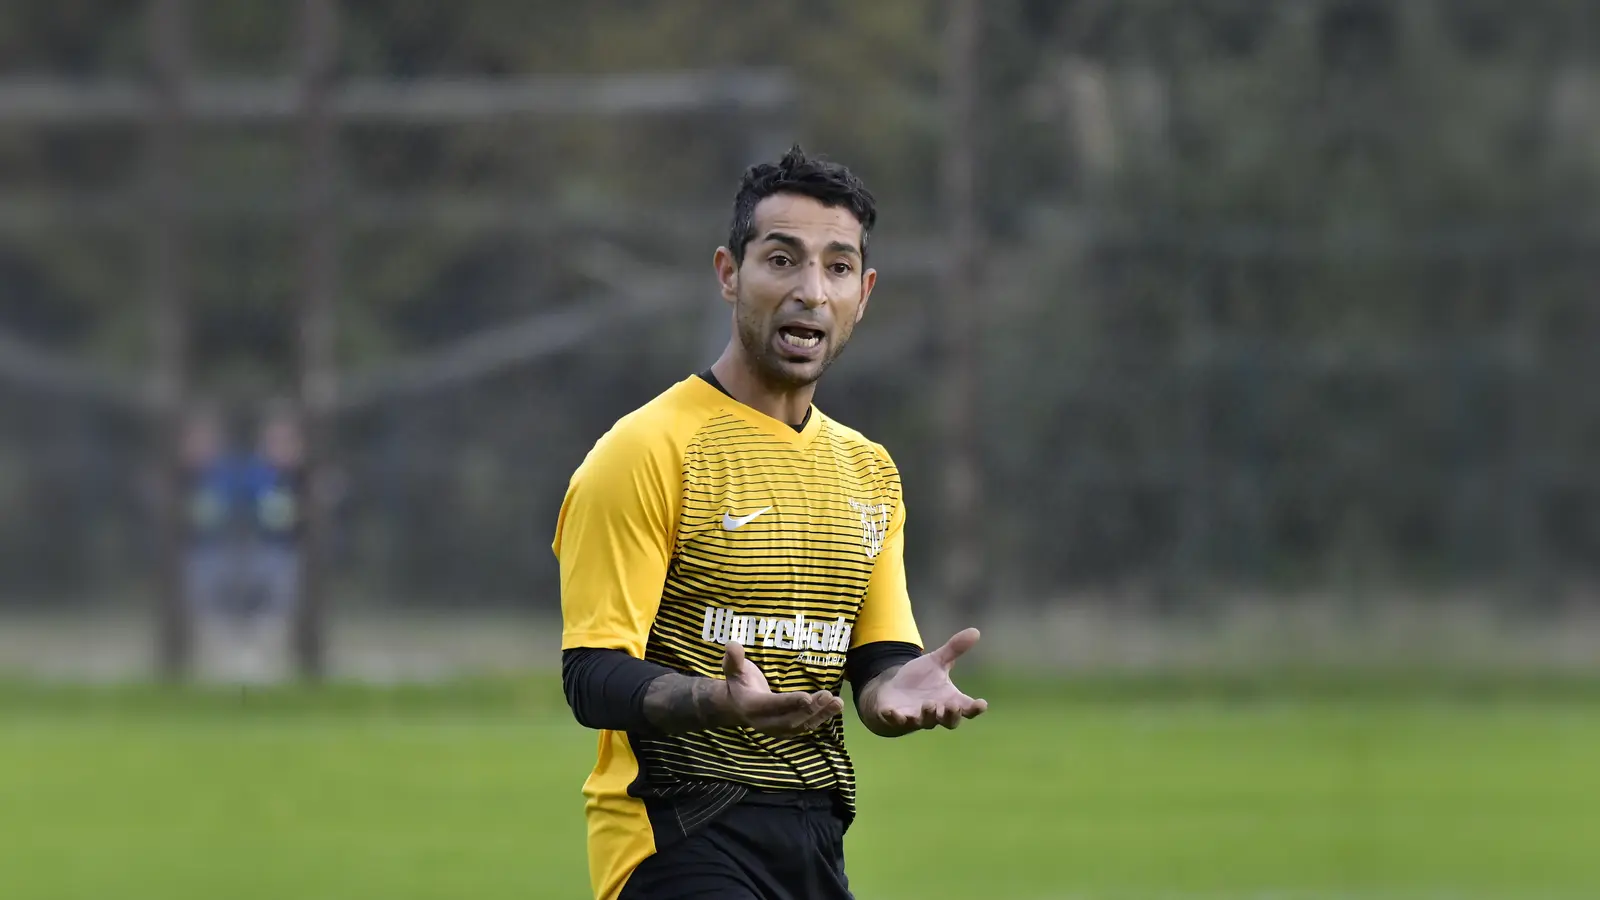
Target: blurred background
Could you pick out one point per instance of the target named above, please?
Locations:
(1220, 343)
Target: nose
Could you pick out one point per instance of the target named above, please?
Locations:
(811, 290)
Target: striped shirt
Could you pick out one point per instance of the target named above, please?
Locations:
(696, 521)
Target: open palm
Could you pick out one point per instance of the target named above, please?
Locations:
(783, 714)
(920, 693)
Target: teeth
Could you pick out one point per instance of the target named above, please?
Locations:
(802, 342)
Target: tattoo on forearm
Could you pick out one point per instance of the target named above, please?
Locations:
(679, 703)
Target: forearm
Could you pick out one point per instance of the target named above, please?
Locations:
(611, 690)
(606, 688)
(676, 703)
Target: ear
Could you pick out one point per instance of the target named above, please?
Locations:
(727, 273)
(868, 279)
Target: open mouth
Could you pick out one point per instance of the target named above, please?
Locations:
(799, 337)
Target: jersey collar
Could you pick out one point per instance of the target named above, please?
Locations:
(707, 383)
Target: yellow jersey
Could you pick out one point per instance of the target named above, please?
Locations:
(697, 520)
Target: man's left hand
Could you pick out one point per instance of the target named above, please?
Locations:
(920, 695)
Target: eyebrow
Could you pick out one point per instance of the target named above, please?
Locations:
(794, 243)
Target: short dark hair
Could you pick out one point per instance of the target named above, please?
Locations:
(829, 183)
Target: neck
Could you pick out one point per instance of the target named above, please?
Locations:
(739, 377)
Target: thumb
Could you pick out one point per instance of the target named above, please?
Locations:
(958, 644)
(733, 661)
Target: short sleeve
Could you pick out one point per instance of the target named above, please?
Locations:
(614, 541)
(886, 611)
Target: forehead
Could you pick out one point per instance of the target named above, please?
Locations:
(805, 218)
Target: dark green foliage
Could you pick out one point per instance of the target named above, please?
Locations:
(1278, 291)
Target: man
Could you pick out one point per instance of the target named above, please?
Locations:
(242, 574)
(729, 556)
(277, 488)
(206, 476)
(273, 480)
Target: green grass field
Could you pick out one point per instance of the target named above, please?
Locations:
(1061, 792)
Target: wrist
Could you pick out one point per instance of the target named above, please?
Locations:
(676, 703)
(870, 710)
(724, 712)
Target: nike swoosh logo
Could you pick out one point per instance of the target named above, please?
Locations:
(729, 523)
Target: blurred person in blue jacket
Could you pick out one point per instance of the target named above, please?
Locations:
(274, 480)
(206, 464)
(242, 573)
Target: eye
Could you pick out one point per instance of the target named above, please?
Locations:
(780, 259)
(842, 268)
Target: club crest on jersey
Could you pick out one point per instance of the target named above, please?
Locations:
(874, 525)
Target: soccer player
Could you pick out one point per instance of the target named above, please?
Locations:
(729, 556)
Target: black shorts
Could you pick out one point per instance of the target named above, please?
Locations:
(768, 846)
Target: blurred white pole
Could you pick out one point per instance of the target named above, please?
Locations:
(960, 323)
(167, 247)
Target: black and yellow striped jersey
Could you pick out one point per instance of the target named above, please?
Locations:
(695, 521)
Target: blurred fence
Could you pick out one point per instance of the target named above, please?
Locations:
(1278, 295)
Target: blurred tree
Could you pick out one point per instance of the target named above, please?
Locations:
(1274, 290)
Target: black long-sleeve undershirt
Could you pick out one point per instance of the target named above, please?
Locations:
(606, 688)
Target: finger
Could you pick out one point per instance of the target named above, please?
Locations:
(818, 718)
(910, 717)
(952, 716)
(930, 714)
(732, 661)
(789, 706)
(967, 706)
(902, 717)
(791, 711)
(823, 716)
(831, 705)
(959, 643)
(821, 702)
(825, 708)
(816, 724)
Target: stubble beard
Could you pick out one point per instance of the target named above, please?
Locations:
(764, 358)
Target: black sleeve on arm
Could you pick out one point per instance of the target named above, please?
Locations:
(606, 688)
(868, 661)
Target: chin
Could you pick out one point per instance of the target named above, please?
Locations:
(793, 374)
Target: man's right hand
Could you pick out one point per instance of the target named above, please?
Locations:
(755, 705)
(675, 703)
